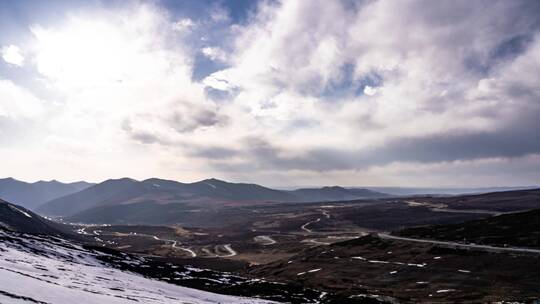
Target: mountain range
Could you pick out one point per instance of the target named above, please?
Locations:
(31, 195)
(126, 193)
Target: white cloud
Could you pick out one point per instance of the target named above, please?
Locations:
(214, 53)
(370, 91)
(105, 68)
(12, 54)
(183, 25)
(218, 81)
(422, 52)
(110, 49)
(18, 103)
(295, 77)
(219, 14)
(300, 47)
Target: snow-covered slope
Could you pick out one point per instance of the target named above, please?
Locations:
(35, 269)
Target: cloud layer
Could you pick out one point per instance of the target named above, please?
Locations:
(355, 93)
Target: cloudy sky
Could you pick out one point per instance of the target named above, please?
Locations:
(395, 93)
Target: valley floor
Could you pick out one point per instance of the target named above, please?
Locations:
(344, 249)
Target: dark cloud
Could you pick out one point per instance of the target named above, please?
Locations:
(145, 138)
(216, 153)
(511, 47)
(188, 121)
(452, 147)
(518, 138)
(257, 153)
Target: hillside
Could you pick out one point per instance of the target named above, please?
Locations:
(18, 219)
(517, 229)
(334, 193)
(504, 201)
(31, 195)
(409, 191)
(109, 192)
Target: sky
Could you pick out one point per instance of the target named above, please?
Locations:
(281, 93)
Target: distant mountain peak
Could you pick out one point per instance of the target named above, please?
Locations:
(334, 188)
(154, 180)
(122, 179)
(30, 195)
(9, 179)
(215, 180)
(52, 181)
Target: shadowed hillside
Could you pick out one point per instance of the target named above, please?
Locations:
(517, 229)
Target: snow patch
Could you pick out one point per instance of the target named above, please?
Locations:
(68, 273)
(445, 290)
(20, 211)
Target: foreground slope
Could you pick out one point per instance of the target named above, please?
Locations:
(31, 195)
(43, 262)
(36, 269)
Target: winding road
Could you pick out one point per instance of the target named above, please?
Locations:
(265, 240)
(323, 213)
(215, 254)
(172, 242)
(306, 229)
(173, 246)
(193, 253)
(314, 241)
(230, 250)
(326, 214)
